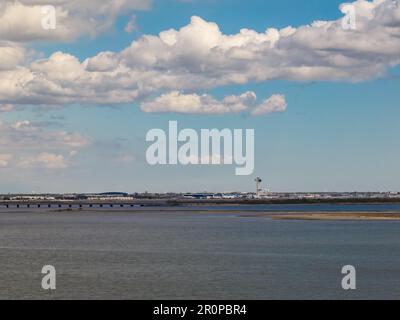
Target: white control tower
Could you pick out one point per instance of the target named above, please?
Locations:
(258, 186)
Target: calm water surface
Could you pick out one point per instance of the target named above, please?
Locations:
(187, 255)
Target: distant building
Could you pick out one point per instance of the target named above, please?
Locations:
(115, 196)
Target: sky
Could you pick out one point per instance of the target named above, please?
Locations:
(77, 101)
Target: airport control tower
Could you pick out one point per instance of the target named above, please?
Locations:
(258, 186)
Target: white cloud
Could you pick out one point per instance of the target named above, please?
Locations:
(178, 102)
(24, 125)
(199, 57)
(11, 56)
(276, 103)
(43, 160)
(25, 134)
(4, 160)
(131, 26)
(37, 146)
(21, 21)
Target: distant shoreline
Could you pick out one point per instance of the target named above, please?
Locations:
(286, 201)
(201, 202)
(274, 215)
(340, 216)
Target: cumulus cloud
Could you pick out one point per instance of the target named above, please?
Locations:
(43, 160)
(276, 103)
(21, 21)
(199, 56)
(178, 102)
(24, 133)
(37, 146)
(11, 56)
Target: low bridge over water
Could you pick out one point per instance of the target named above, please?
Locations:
(78, 204)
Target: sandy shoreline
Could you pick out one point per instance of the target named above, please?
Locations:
(339, 216)
(328, 216)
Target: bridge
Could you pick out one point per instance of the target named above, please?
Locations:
(76, 204)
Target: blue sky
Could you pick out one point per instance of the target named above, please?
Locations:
(336, 134)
